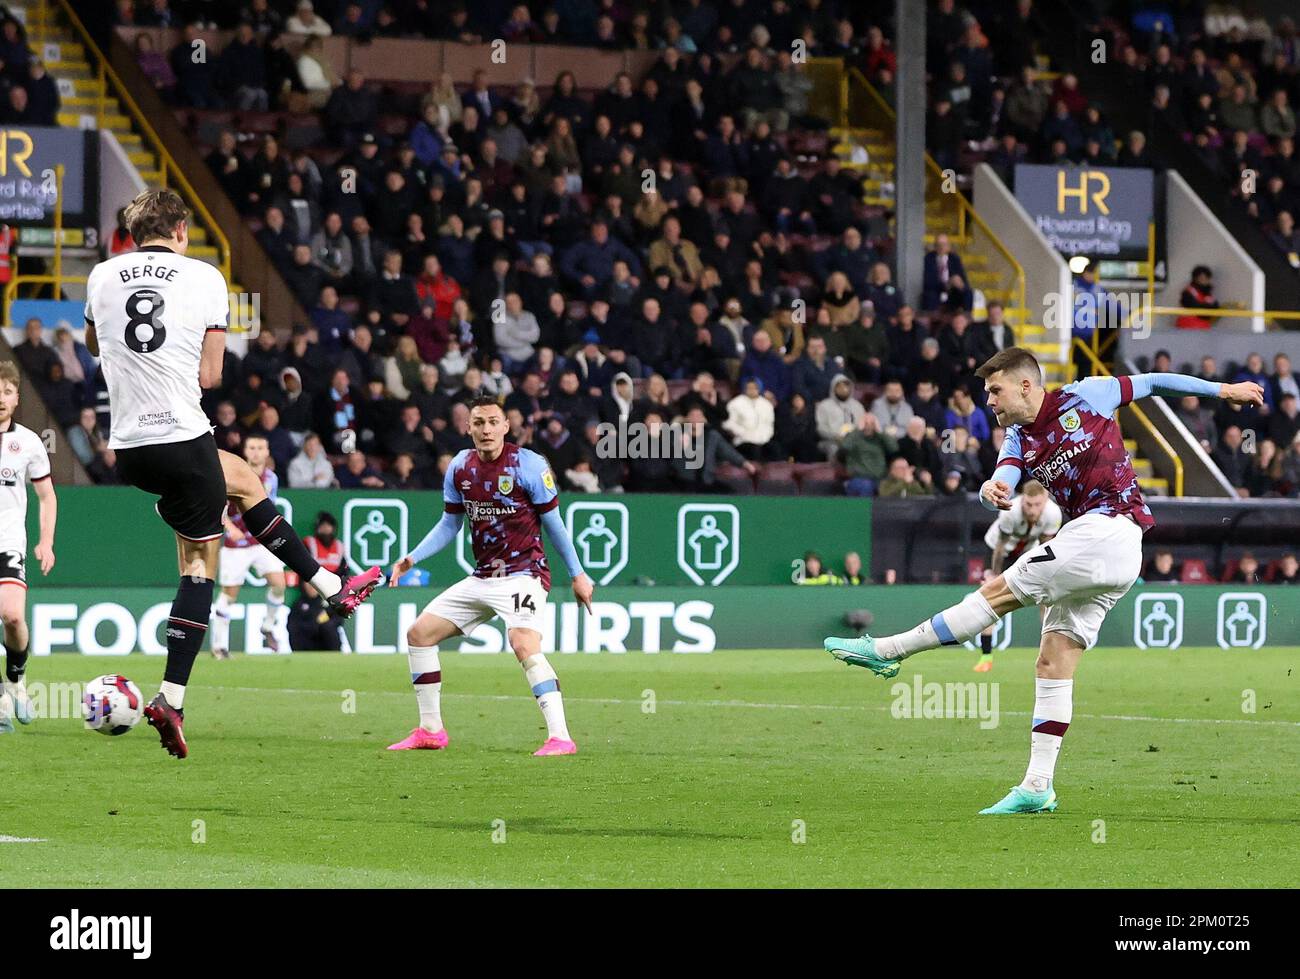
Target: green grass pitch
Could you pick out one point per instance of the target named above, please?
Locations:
(1164, 780)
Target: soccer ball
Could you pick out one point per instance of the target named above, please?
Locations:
(111, 704)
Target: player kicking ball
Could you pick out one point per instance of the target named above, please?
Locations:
(22, 458)
(509, 494)
(157, 321)
(1033, 518)
(241, 551)
(1070, 442)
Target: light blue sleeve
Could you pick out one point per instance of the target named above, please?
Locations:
(1172, 384)
(539, 483)
(442, 534)
(451, 498)
(1105, 394)
(537, 480)
(1010, 463)
(559, 535)
(446, 529)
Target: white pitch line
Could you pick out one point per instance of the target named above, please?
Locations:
(22, 839)
(762, 706)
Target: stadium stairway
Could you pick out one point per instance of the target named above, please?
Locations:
(865, 142)
(87, 97)
(866, 145)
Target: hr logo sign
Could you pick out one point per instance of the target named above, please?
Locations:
(1087, 178)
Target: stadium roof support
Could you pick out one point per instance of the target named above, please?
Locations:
(909, 138)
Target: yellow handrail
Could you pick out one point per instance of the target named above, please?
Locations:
(1143, 420)
(1224, 313)
(11, 288)
(58, 220)
(966, 215)
(105, 75)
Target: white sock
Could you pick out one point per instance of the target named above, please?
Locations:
(220, 623)
(327, 583)
(1053, 708)
(546, 688)
(965, 620)
(426, 677)
(173, 693)
(274, 603)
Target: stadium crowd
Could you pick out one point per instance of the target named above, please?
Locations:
(508, 242)
(1228, 81)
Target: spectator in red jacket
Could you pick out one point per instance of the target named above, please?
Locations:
(436, 287)
(1199, 294)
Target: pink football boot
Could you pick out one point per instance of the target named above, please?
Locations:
(420, 738)
(355, 591)
(556, 746)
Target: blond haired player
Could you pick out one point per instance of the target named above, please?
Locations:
(1069, 441)
(22, 458)
(1034, 518)
(157, 321)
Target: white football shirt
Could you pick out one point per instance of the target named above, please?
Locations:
(151, 309)
(1012, 524)
(22, 458)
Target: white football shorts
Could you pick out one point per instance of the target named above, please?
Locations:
(1080, 574)
(235, 562)
(518, 599)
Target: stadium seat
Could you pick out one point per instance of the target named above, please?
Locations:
(260, 123)
(302, 132)
(818, 478)
(777, 479)
(678, 388)
(393, 125)
(208, 124)
(736, 479)
(1195, 572)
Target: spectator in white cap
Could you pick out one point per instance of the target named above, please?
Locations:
(305, 21)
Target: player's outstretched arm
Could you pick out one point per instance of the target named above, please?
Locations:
(583, 587)
(1173, 385)
(442, 534)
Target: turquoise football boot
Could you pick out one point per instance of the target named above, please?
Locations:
(22, 703)
(1020, 800)
(861, 652)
